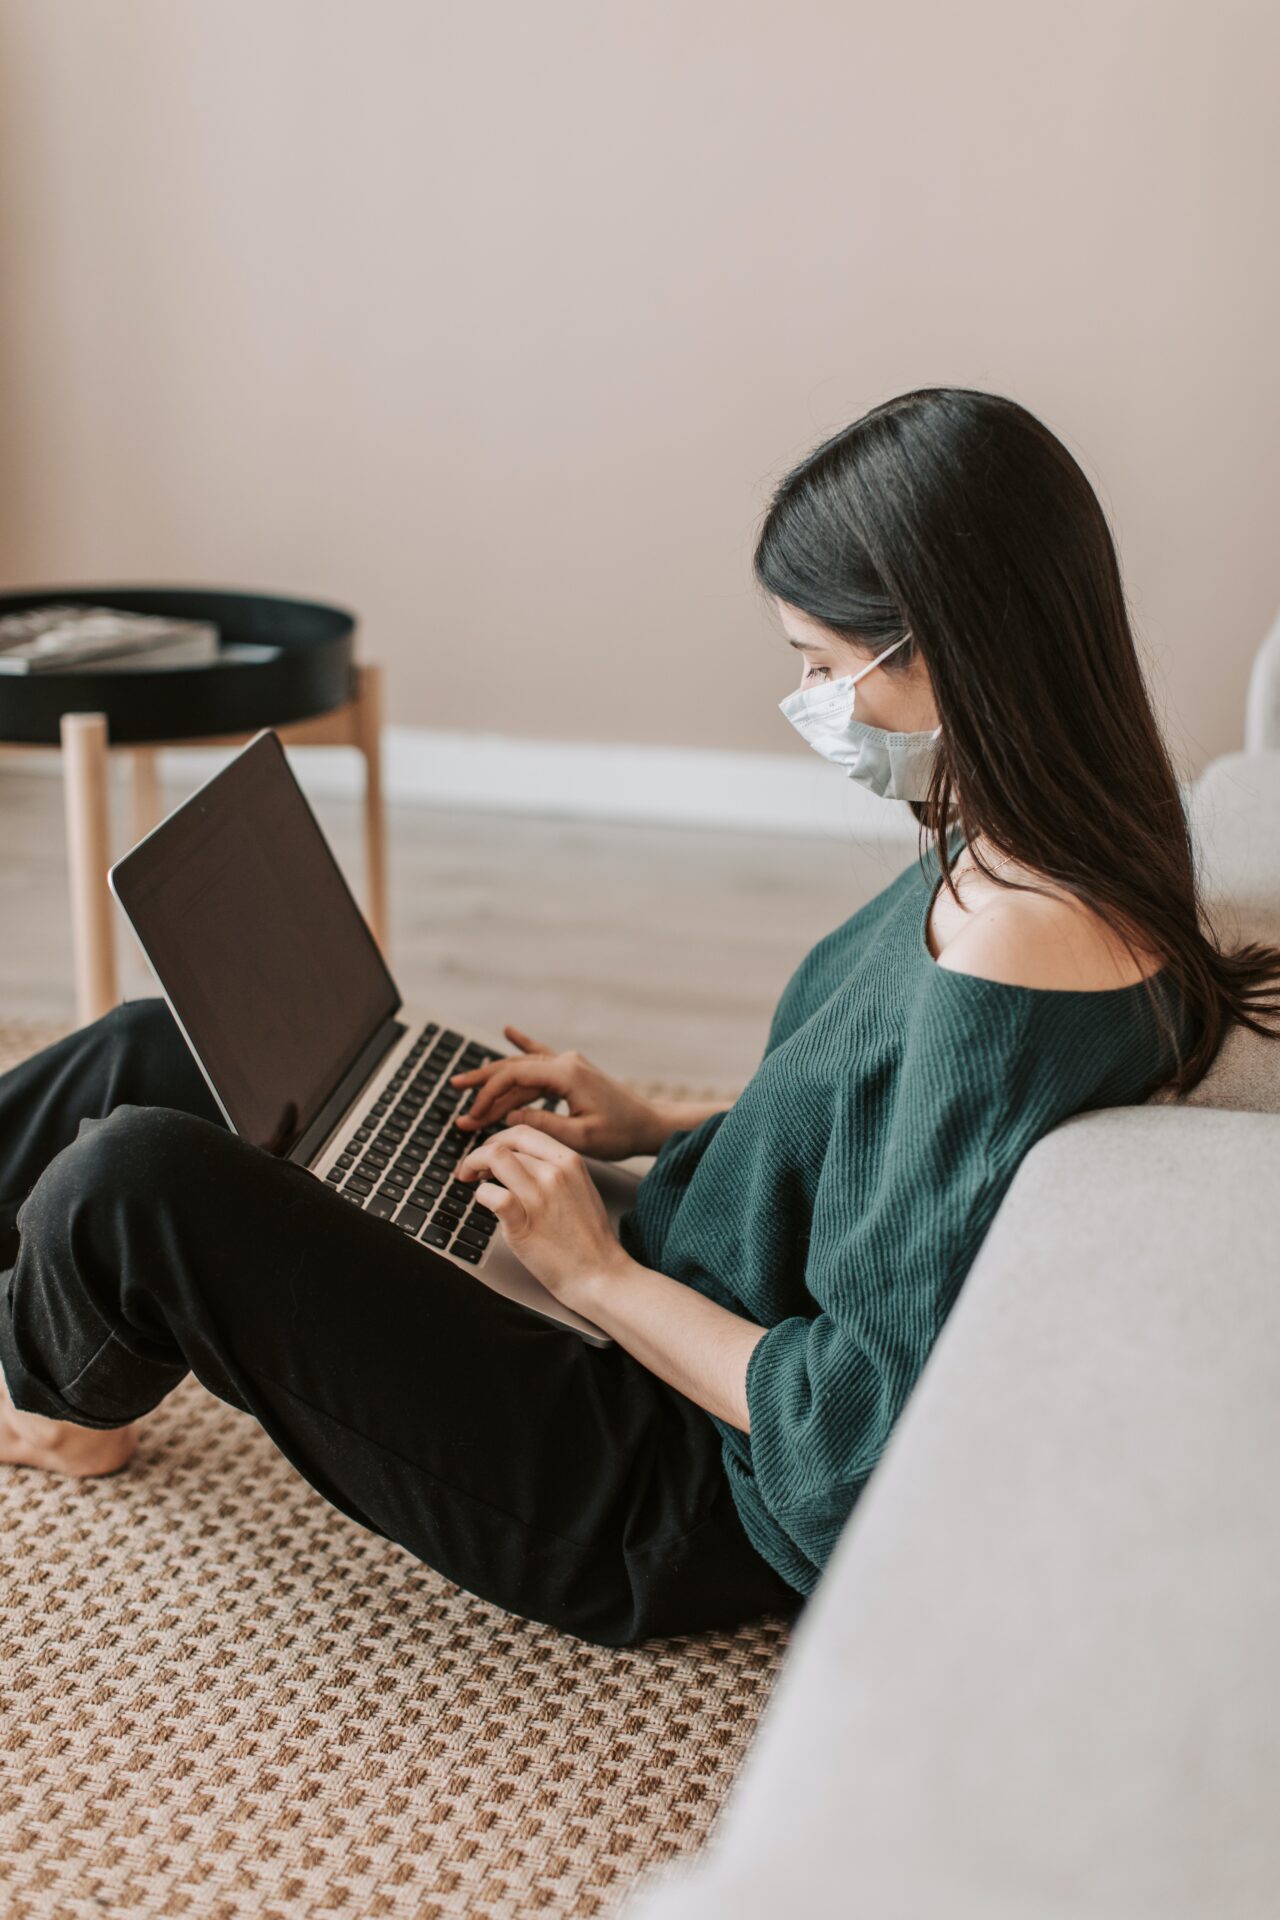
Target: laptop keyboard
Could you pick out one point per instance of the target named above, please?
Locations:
(399, 1162)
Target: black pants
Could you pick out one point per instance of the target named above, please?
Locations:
(563, 1482)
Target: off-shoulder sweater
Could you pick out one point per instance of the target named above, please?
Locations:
(841, 1200)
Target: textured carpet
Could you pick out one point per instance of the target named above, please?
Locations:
(220, 1697)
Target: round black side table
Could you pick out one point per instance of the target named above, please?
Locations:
(302, 679)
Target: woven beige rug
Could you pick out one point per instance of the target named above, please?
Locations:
(219, 1697)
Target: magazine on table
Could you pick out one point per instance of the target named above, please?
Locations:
(55, 637)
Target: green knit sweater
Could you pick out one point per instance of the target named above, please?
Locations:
(843, 1197)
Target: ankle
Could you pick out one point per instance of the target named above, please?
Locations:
(61, 1446)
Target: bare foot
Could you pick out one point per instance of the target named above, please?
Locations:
(60, 1446)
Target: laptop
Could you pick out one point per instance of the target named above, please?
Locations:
(279, 989)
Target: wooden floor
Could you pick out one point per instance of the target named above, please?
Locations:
(657, 950)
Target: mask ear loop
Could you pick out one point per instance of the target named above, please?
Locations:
(881, 656)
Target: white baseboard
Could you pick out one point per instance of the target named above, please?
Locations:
(674, 786)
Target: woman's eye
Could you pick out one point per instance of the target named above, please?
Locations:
(810, 670)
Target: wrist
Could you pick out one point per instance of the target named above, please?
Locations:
(666, 1117)
(602, 1279)
(654, 1127)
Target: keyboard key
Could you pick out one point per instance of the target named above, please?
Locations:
(335, 1174)
(411, 1217)
(435, 1236)
(471, 1254)
(357, 1184)
(467, 1236)
(345, 1160)
(382, 1204)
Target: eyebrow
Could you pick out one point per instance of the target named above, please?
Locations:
(812, 646)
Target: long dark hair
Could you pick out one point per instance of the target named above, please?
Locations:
(958, 515)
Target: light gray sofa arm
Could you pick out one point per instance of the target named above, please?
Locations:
(1041, 1673)
(1234, 814)
(1262, 700)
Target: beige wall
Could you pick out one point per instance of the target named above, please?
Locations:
(496, 321)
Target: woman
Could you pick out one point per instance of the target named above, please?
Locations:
(945, 571)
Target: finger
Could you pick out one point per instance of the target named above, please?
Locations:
(501, 1159)
(472, 1073)
(486, 1067)
(495, 1110)
(485, 1075)
(503, 1202)
(525, 1139)
(561, 1126)
(537, 1071)
(524, 1040)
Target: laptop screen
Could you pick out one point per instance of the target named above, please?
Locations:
(252, 931)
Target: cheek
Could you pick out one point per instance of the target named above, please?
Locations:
(877, 712)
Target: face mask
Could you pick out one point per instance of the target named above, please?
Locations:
(898, 766)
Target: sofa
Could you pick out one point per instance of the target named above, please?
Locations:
(1040, 1675)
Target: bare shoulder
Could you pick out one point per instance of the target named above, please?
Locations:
(1035, 940)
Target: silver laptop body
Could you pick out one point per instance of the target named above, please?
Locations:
(292, 1015)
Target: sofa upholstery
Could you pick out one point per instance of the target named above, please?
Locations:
(1040, 1675)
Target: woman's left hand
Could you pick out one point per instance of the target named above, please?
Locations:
(548, 1206)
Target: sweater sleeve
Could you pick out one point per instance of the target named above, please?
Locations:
(899, 1213)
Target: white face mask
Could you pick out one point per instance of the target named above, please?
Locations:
(898, 766)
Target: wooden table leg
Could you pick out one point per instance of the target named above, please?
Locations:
(369, 740)
(146, 790)
(86, 796)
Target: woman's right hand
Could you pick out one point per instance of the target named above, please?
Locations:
(605, 1119)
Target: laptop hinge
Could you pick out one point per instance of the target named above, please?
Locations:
(308, 1144)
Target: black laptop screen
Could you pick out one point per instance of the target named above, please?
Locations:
(253, 932)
